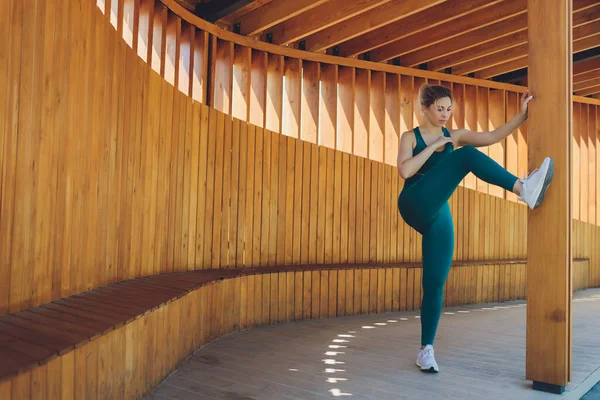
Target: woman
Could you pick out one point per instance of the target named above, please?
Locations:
(433, 170)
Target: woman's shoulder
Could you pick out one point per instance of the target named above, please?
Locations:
(408, 136)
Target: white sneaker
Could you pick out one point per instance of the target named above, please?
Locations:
(426, 360)
(536, 184)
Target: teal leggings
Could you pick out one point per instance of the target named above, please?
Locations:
(424, 206)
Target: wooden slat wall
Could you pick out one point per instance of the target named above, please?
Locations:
(114, 172)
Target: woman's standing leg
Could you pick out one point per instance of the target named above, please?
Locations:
(438, 249)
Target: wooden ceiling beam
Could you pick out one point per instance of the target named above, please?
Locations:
(499, 69)
(491, 60)
(472, 53)
(319, 18)
(215, 10)
(502, 68)
(483, 41)
(588, 91)
(236, 15)
(586, 84)
(588, 76)
(584, 4)
(513, 53)
(274, 13)
(495, 37)
(367, 22)
(591, 75)
(433, 17)
(587, 65)
(467, 23)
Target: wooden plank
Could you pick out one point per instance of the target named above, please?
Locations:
(377, 116)
(496, 114)
(471, 45)
(273, 13)
(583, 152)
(337, 207)
(576, 174)
(241, 90)
(257, 202)
(511, 149)
(292, 97)
(274, 203)
(592, 130)
(297, 202)
(392, 118)
(223, 76)
(258, 85)
(549, 300)
(311, 75)
(329, 207)
(345, 109)
(318, 18)
(185, 59)
(362, 113)
(367, 21)
(480, 15)
(328, 106)
(314, 222)
(274, 94)
(199, 79)
(482, 126)
(412, 26)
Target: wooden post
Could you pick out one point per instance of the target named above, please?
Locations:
(549, 227)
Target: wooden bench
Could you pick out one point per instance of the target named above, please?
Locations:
(35, 336)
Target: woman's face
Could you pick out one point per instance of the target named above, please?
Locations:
(439, 112)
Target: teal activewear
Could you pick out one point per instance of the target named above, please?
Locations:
(423, 204)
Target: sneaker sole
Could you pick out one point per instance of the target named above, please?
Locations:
(430, 370)
(547, 181)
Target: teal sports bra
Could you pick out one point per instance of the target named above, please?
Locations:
(431, 161)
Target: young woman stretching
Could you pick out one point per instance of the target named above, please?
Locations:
(433, 170)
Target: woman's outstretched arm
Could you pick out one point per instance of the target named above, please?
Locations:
(465, 137)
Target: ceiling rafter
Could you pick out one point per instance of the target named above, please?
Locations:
(586, 76)
(587, 65)
(466, 23)
(483, 41)
(274, 13)
(433, 17)
(319, 18)
(588, 91)
(506, 33)
(586, 84)
(578, 46)
(580, 34)
(367, 22)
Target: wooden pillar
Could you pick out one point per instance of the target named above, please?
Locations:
(550, 226)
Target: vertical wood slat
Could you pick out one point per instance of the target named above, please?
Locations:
(259, 79)
(292, 97)
(309, 109)
(328, 106)
(241, 91)
(496, 114)
(345, 109)
(222, 75)
(377, 116)
(362, 113)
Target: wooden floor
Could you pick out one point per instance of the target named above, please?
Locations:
(480, 349)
